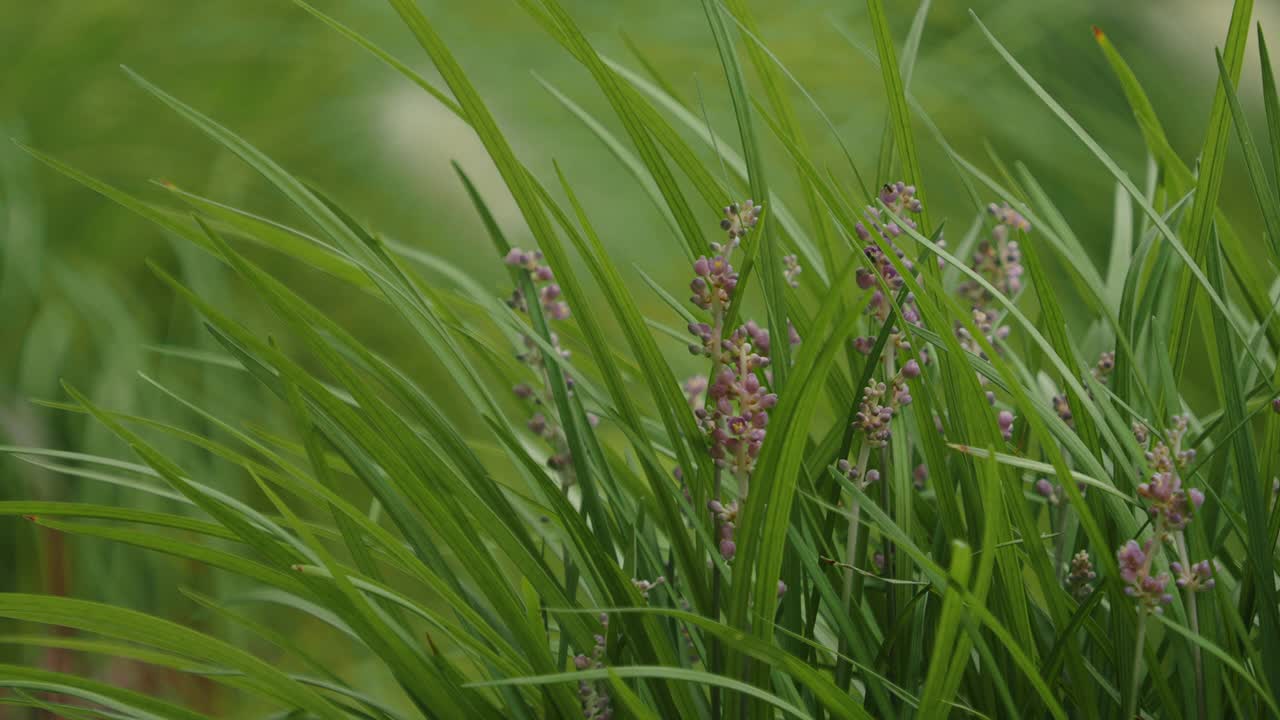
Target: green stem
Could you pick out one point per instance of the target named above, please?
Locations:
(1131, 702)
(1202, 711)
(851, 545)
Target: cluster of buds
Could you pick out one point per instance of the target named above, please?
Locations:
(740, 403)
(1140, 433)
(901, 200)
(791, 270)
(727, 521)
(1062, 406)
(985, 321)
(1172, 508)
(1169, 503)
(738, 400)
(1135, 569)
(1104, 367)
(1080, 576)
(714, 281)
(594, 696)
(998, 260)
(861, 480)
(1195, 578)
(1101, 371)
(739, 220)
(644, 586)
(880, 402)
(553, 308)
(549, 431)
(544, 283)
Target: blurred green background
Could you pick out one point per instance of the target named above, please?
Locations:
(77, 301)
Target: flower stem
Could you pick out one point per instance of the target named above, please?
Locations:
(851, 546)
(1131, 702)
(1185, 557)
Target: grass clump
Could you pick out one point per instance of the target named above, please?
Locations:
(902, 482)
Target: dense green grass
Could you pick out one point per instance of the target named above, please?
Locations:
(940, 461)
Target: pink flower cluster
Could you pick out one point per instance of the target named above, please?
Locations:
(544, 282)
(1172, 508)
(553, 308)
(738, 401)
(880, 402)
(1169, 503)
(1135, 569)
(998, 260)
(594, 696)
(901, 199)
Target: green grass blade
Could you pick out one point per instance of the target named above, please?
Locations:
(1213, 158)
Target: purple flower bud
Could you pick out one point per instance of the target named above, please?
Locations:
(516, 257)
(582, 662)
(523, 391)
(728, 549)
(1197, 497)
(782, 589)
(911, 369)
(1045, 488)
(1005, 420)
(865, 278)
(538, 423)
(873, 476)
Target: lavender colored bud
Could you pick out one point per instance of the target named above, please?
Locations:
(991, 398)
(865, 278)
(782, 589)
(1131, 558)
(516, 257)
(728, 549)
(538, 423)
(1005, 420)
(919, 475)
(702, 266)
(523, 391)
(1197, 497)
(911, 370)
(543, 273)
(582, 662)
(873, 476)
(1044, 487)
(1275, 405)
